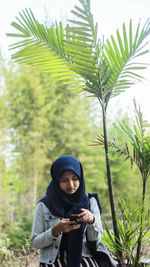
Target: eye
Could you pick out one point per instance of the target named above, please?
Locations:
(63, 180)
(75, 178)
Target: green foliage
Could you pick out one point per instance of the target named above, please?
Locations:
(44, 119)
(18, 257)
(140, 143)
(5, 253)
(138, 151)
(139, 138)
(77, 55)
(19, 231)
(129, 226)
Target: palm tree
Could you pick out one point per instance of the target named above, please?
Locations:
(75, 55)
(139, 139)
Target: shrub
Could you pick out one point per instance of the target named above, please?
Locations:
(5, 253)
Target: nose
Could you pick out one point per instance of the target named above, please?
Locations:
(70, 184)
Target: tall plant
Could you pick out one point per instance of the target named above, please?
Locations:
(139, 139)
(75, 55)
(129, 230)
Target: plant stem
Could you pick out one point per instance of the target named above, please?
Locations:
(141, 224)
(110, 186)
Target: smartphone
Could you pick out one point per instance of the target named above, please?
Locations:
(74, 217)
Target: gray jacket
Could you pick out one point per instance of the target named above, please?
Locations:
(43, 239)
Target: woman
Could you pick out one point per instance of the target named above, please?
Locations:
(63, 242)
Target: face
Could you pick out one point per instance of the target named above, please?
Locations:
(69, 182)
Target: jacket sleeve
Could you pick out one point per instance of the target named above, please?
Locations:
(94, 231)
(40, 237)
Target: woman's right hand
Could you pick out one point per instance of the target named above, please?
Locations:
(64, 226)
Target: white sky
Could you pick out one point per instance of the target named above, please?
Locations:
(110, 15)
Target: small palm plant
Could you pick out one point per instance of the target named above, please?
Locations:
(129, 230)
(140, 155)
(75, 55)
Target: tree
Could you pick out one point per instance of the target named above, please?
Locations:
(44, 120)
(3, 141)
(79, 58)
(41, 124)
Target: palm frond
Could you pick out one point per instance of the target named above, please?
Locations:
(76, 53)
(129, 228)
(41, 46)
(81, 46)
(140, 141)
(121, 55)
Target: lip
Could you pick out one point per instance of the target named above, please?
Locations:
(71, 190)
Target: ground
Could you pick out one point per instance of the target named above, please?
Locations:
(30, 258)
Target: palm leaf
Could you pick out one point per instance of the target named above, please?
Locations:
(41, 46)
(83, 39)
(121, 57)
(129, 227)
(104, 70)
(139, 139)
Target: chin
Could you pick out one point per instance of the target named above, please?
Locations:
(71, 192)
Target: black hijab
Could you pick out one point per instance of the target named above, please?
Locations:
(63, 205)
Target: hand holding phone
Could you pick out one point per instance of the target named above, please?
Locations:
(74, 217)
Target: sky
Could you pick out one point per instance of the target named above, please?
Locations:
(110, 15)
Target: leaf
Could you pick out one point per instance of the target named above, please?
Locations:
(77, 45)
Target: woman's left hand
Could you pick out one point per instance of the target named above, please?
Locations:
(86, 216)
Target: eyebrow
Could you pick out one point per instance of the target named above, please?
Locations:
(75, 175)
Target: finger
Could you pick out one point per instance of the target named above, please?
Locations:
(85, 217)
(72, 223)
(82, 218)
(65, 219)
(82, 214)
(83, 210)
(75, 226)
